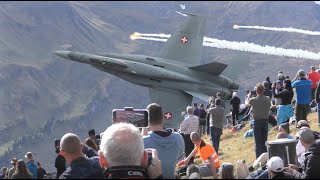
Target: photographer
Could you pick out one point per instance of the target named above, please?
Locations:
(123, 156)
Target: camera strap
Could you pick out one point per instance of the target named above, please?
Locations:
(125, 172)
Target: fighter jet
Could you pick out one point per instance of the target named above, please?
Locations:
(174, 76)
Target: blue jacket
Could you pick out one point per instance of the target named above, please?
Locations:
(33, 169)
(170, 148)
(303, 91)
(84, 168)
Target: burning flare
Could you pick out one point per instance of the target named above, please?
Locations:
(236, 27)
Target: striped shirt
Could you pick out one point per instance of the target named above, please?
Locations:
(190, 124)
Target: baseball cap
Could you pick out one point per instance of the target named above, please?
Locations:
(275, 164)
(14, 160)
(29, 155)
(305, 134)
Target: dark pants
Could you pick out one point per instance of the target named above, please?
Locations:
(235, 115)
(301, 111)
(188, 145)
(260, 134)
(202, 126)
(215, 137)
(208, 124)
(313, 93)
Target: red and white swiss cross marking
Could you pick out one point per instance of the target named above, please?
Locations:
(168, 115)
(184, 39)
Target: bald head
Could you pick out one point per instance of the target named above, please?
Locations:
(70, 143)
(195, 137)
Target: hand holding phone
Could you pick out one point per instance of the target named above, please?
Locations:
(153, 164)
(137, 117)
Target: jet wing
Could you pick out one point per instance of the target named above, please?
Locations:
(173, 103)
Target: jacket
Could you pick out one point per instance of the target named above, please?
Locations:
(32, 168)
(311, 164)
(60, 164)
(317, 94)
(83, 168)
(235, 102)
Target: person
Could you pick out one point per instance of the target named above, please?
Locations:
(276, 169)
(3, 173)
(227, 171)
(169, 144)
(211, 102)
(315, 78)
(13, 169)
(303, 95)
(310, 169)
(235, 102)
(317, 98)
(284, 128)
(60, 163)
(89, 142)
(268, 80)
(219, 96)
(247, 94)
(41, 172)
(80, 166)
(122, 154)
(196, 110)
(284, 110)
(210, 160)
(192, 169)
(92, 135)
(260, 109)
(32, 167)
(267, 91)
(202, 120)
(189, 124)
(216, 124)
(278, 86)
(22, 172)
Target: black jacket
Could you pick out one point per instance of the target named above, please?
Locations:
(84, 168)
(311, 164)
(285, 95)
(317, 94)
(235, 102)
(60, 164)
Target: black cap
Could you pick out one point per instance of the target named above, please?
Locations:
(91, 132)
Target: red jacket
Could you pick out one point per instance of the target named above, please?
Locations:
(314, 77)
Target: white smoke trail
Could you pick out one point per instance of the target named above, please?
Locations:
(248, 47)
(156, 35)
(290, 29)
(181, 13)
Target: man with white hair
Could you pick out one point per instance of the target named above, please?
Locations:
(235, 102)
(80, 167)
(189, 124)
(123, 156)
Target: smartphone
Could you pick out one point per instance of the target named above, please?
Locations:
(137, 117)
(57, 143)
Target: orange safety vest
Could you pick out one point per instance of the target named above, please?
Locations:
(205, 151)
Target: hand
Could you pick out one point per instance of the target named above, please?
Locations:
(289, 170)
(154, 170)
(145, 131)
(293, 166)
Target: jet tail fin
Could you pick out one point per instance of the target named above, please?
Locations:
(213, 68)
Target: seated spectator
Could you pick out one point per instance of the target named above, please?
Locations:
(32, 167)
(276, 169)
(227, 171)
(90, 143)
(80, 166)
(92, 135)
(208, 155)
(123, 156)
(284, 128)
(3, 173)
(41, 172)
(22, 171)
(13, 169)
(310, 168)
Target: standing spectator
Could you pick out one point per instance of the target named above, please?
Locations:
(92, 135)
(13, 169)
(267, 91)
(60, 163)
(260, 109)
(3, 173)
(268, 80)
(202, 120)
(216, 123)
(31, 165)
(169, 144)
(314, 77)
(189, 124)
(22, 171)
(41, 171)
(80, 166)
(310, 170)
(123, 156)
(196, 110)
(278, 88)
(90, 143)
(247, 95)
(211, 102)
(208, 155)
(219, 96)
(284, 110)
(303, 95)
(235, 102)
(317, 97)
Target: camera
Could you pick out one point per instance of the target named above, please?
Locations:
(137, 117)
(57, 143)
(149, 157)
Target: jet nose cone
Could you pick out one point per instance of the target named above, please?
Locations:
(64, 54)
